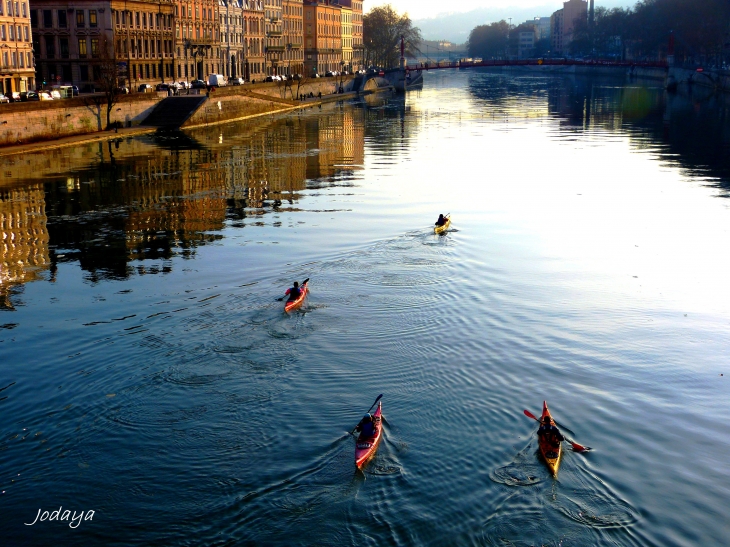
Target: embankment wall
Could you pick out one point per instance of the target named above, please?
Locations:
(46, 120)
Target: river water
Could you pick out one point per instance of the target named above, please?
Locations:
(148, 373)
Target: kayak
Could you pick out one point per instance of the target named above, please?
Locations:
(550, 451)
(292, 305)
(365, 447)
(441, 229)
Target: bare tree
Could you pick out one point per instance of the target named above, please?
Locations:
(107, 74)
(302, 81)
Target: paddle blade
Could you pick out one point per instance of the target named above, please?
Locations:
(578, 447)
(305, 281)
(530, 415)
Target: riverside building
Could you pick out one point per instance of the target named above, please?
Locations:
(198, 39)
(322, 37)
(17, 67)
(254, 37)
(563, 23)
(74, 40)
(232, 42)
(274, 36)
(356, 33)
(293, 13)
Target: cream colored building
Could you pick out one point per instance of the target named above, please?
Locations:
(356, 23)
(346, 15)
(232, 41)
(17, 66)
(293, 14)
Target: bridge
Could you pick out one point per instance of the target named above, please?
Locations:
(536, 62)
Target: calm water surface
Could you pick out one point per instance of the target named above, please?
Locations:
(148, 373)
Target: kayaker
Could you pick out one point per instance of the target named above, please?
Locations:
(294, 292)
(366, 426)
(550, 432)
(442, 220)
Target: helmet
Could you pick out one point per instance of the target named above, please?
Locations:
(367, 417)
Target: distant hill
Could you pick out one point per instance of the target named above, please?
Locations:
(456, 27)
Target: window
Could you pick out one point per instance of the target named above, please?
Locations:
(62, 20)
(63, 43)
(2, 32)
(50, 47)
(82, 50)
(11, 32)
(25, 9)
(84, 72)
(80, 22)
(25, 34)
(95, 47)
(33, 17)
(92, 18)
(47, 18)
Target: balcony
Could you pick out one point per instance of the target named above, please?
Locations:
(275, 48)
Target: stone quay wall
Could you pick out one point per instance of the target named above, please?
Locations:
(35, 121)
(47, 120)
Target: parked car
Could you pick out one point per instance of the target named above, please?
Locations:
(162, 87)
(236, 81)
(3, 98)
(29, 96)
(183, 84)
(315, 75)
(296, 77)
(45, 96)
(273, 78)
(122, 90)
(330, 73)
(14, 97)
(55, 94)
(198, 84)
(144, 88)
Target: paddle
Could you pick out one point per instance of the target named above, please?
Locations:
(577, 447)
(302, 285)
(369, 409)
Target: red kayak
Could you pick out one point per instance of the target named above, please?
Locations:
(292, 305)
(365, 447)
(550, 448)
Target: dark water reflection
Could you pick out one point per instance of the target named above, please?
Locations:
(147, 371)
(690, 128)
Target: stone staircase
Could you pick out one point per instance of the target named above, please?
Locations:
(172, 112)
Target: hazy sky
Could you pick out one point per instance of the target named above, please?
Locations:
(419, 9)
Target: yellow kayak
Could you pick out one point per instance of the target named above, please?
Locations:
(441, 229)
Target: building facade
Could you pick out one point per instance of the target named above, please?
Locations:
(74, 40)
(563, 23)
(17, 64)
(356, 21)
(346, 38)
(322, 37)
(293, 14)
(198, 39)
(232, 38)
(254, 40)
(274, 36)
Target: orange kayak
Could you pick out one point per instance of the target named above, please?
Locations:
(292, 305)
(365, 447)
(550, 448)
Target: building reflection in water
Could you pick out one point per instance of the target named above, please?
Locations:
(24, 249)
(129, 206)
